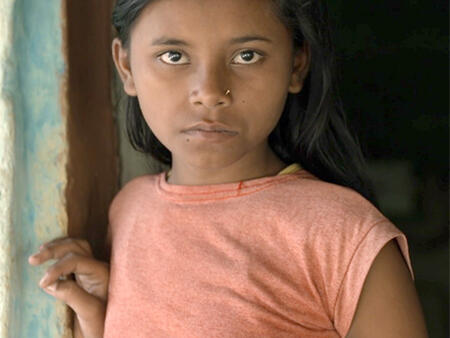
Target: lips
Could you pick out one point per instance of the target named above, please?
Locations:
(210, 132)
(210, 128)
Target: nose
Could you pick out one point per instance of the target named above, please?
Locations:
(210, 89)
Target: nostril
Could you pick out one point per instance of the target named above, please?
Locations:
(210, 97)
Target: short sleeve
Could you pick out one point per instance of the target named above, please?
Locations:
(358, 268)
(125, 205)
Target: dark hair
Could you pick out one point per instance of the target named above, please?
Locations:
(312, 130)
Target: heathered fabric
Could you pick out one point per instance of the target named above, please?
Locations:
(279, 256)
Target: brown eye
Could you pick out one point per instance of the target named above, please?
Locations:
(172, 58)
(247, 57)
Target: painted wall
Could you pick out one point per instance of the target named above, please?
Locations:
(32, 89)
(6, 163)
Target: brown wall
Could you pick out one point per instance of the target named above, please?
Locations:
(93, 146)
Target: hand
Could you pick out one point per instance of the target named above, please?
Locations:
(87, 294)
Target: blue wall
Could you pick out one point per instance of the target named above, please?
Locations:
(36, 84)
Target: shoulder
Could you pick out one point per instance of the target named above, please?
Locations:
(337, 221)
(342, 222)
(124, 205)
(306, 182)
(127, 200)
(321, 200)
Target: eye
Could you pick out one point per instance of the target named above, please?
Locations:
(247, 57)
(172, 58)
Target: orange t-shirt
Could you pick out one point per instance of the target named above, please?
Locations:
(279, 256)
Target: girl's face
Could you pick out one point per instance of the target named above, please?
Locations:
(184, 56)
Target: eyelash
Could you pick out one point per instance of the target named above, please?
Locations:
(260, 54)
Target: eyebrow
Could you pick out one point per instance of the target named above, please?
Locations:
(248, 38)
(165, 41)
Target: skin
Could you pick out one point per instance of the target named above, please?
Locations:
(87, 293)
(174, 97)
(200, 75)
(388, 305)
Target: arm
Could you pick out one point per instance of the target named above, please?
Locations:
(388, 305)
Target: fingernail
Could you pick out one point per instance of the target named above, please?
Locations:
(51, 287)
(44, 280)
(30, 258)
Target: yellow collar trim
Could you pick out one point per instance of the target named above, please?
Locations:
(294, 167)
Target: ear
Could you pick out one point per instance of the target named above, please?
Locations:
(302, 60)
(122, 63)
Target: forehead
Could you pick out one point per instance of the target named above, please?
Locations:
(210, 19)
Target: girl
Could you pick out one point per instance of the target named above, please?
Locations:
(265, 224)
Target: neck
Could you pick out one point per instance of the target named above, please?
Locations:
(258, 164)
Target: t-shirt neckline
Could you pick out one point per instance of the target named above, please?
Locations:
(221, 191)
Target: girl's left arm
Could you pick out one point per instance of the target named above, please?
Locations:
(388, 305)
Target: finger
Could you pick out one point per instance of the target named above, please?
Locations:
(73, 263)
(85, 305)
(47, 250)
(80, 243)
(58, 248)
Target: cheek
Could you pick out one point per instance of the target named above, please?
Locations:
(156, 98)
(154, 80)
(154, 110)
(160, 115)
(152, 119)
(266, 99)
(267, 110)
(270, 85)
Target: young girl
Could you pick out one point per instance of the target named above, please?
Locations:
(265, 225)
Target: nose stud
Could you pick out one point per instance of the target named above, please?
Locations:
(227, 92)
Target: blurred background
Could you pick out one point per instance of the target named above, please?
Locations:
(393, 66)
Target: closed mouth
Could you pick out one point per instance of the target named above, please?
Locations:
(223, 131)
(210, 128)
